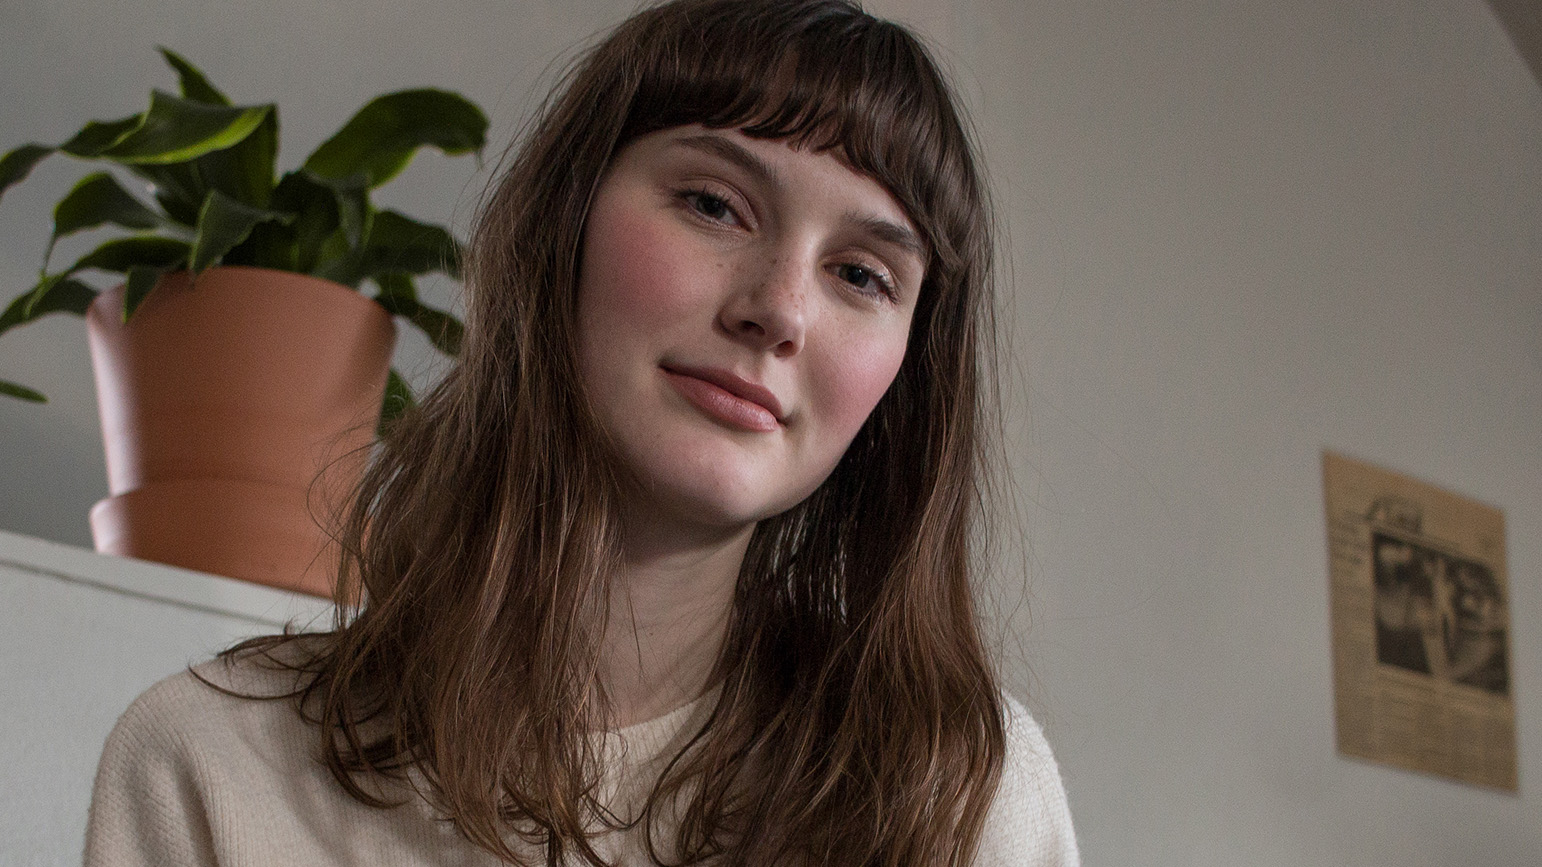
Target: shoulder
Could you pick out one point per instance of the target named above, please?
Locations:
(183, 751)
(218, 766)
(1029, 822)
(227, 707)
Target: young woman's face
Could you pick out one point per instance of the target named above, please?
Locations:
(742, 306)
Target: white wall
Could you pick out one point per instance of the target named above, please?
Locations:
(1239, 233)
(1244, 232)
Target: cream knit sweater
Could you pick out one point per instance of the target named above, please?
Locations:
(191, 776)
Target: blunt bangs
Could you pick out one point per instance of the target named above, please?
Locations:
(822, 76)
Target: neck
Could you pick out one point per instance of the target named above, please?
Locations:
(669, 613)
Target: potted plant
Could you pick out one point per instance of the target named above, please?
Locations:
(236, 356)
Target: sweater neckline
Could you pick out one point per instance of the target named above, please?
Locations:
(644, 741)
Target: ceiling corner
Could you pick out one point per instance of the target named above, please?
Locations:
(1522, 19)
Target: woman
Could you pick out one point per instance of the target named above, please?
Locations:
(674, 566)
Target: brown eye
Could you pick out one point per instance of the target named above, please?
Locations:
(865, 279)
(709, 206)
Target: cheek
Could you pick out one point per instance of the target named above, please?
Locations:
(631, 272)
(859, 373)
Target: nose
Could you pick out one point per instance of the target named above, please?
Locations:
(768, 308)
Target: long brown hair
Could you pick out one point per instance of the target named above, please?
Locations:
(859, 719)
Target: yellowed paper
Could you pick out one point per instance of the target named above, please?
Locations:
(1421, 656)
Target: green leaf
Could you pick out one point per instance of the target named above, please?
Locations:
(353, 208)
(60, 296)
(339, 255)
(18, 163)
(99, 135)
(397, 400)
(222, 224)
(395, 284)
(117, 255)
(270, 245)
(176, 130)
(96, 200)
(244, 171)
(400, 243)
(177, 188)
(381, 139)
(338, 261)
(121, 254)
(399, 298)
(317, 216)
(141, 279)
(21, 391)
(192, 81)
(299, 245)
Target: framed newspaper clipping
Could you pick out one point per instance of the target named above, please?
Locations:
(1421, 638)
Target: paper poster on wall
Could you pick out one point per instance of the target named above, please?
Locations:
(1421, 637)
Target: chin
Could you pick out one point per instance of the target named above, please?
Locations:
(721, 501)
(718, 508)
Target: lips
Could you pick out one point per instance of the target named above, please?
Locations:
(727, 397)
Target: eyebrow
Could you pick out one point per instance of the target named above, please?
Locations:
(886, 231)
(735, 153)
(893, 233)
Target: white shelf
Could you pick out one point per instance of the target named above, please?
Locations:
(81, 634)
(157, 582)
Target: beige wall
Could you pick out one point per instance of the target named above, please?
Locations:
(1238, 233)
